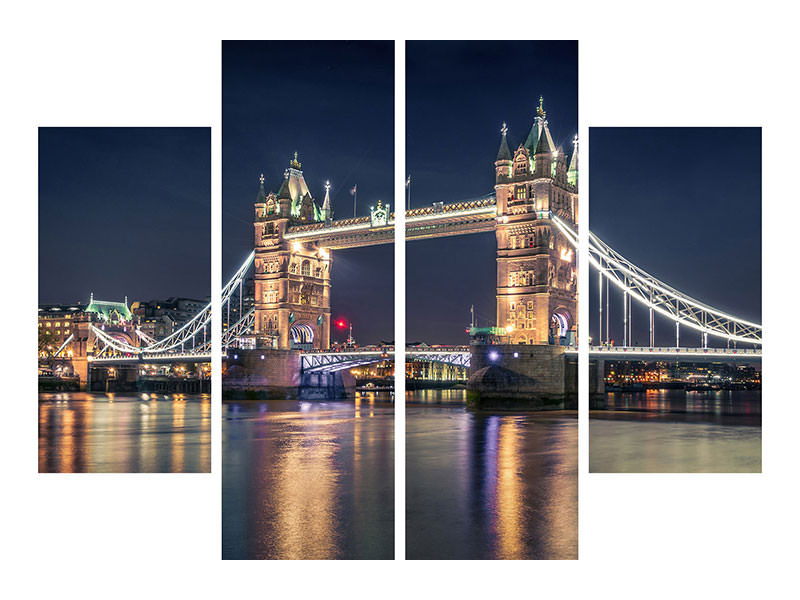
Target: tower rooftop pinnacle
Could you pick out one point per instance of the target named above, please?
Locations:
(326, 204)
(545, 144)
(539, 129)
(294, 163)
(504, 153)
(262, 195)
(573, 162)
(540, 112)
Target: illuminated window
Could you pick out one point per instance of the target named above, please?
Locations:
(305, 269)
(293, 268)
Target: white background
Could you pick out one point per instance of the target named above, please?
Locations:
(154, 63)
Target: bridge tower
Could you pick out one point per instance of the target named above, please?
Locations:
(537, 278)
(292, 278)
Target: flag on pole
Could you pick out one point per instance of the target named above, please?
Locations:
(353, 191)
(408, 181)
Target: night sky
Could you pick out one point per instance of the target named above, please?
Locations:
(458, 96)
(684, 204)
(333, 103)
(124, 211)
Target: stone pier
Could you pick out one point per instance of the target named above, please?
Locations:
(522, 377)
(275, 374)
(597, 385)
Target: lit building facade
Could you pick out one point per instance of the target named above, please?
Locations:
(160, 318)
(292, 280)
(64, 331)
(537, 276)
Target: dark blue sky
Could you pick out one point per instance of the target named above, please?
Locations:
(333, 103)
(684, 204)
(124, 211)
(458, 96)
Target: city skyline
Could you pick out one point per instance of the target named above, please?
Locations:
(133, 208)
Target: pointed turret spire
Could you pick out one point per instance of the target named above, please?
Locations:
(295, 164)
(504, 153)
(262, 195)
(544, 146)
(326, 203)
(572, 172)
(538, 130)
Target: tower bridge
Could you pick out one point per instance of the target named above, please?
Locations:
(533, 211)
(295, 237)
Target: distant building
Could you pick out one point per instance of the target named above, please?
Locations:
(64, 328)
(56, 323)
(160, 318)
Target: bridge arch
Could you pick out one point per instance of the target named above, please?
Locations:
(562, 322)
(302, 335)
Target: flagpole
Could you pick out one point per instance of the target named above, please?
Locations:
(355, 195)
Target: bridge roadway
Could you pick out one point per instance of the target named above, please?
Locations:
(331, 361)
(438, 220)
(187, 357)
(675, 354)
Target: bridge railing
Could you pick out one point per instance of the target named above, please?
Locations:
(674, 350)
(659, 297)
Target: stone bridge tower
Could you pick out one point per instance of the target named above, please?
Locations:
(537, 278)
(292, 277)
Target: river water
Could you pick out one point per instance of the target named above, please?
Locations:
(118, 433)
(673, 431)
(308, 480)
(489, 486)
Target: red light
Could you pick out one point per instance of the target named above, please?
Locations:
(341, 324)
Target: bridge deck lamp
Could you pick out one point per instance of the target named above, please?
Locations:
(324, 254)
(296, 246)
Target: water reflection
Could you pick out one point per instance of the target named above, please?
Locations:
(308, 480)
(730, 406)
(482, 486)
(113, 433)
(672, 431)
